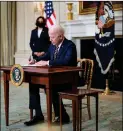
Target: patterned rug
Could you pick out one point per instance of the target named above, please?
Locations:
(110, 113)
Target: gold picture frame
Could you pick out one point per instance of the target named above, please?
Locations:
(89, 7)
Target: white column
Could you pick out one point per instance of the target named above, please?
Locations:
(62, 11)
(77, 42)
(56, 6)
(78, 47)
(25, 23)
(20, 26)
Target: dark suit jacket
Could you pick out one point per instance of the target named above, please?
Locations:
(67, 55)
(39, 44)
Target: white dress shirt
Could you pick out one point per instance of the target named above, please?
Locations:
(39, 32)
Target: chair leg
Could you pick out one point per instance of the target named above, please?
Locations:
(31, 113)
(74, 115)
(60, 101)
(80, 115)
(77, 115)
(88, 107)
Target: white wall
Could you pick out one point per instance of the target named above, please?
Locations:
(25, 23)
(78, 27)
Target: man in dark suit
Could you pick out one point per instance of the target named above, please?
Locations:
(62, 52)
(39, 40)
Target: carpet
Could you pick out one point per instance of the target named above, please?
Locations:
(110, 113)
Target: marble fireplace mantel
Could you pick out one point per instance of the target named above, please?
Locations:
(79, 28)
(84, 28)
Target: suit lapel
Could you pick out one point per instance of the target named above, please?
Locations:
(52, 54)
(36, 33)
(62, 47)
(42, 32)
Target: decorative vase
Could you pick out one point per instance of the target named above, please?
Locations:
(70, 14)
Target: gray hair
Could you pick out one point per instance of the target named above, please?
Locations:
(57, 29)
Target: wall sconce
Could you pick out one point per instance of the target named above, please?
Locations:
(39, 7)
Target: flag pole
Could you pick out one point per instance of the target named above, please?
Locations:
(107, 90)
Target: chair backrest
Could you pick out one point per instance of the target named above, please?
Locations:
(86, 74)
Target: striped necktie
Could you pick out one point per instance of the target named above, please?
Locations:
(56, 52)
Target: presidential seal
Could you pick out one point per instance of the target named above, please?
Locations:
(16, 74)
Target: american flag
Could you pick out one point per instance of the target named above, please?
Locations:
(50, 14)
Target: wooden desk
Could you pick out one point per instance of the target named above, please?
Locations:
(42, 75)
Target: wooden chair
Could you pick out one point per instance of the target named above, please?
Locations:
(81, 93)
(76, 96)
(86, 74)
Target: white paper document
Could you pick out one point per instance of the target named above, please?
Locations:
(30, 65)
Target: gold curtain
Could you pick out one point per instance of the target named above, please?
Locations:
(8, 32)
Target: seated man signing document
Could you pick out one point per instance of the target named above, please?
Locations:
(62, 52)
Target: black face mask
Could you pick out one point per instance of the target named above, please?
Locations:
(39, 24)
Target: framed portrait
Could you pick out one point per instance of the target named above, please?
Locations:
(89, 7)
